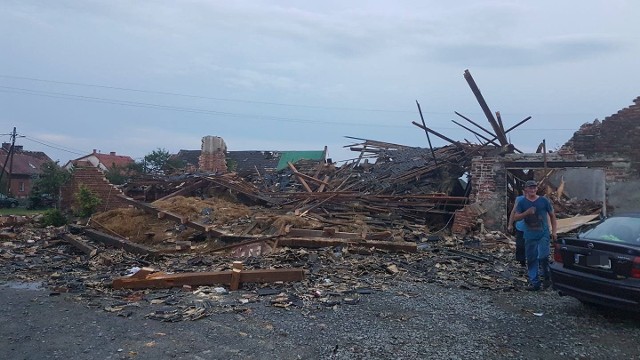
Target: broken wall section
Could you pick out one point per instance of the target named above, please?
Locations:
(212, 156)
(616, 135)
(84, 174)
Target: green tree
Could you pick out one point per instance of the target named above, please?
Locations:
(156, 160)
(118, 175)
(87, 202)
(159, 162)
(49, 181)
(136, 167)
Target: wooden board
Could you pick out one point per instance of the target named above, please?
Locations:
(165, 281)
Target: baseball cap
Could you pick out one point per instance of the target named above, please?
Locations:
(530, 183)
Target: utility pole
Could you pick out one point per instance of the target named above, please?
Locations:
(9, 156)
(11, 152)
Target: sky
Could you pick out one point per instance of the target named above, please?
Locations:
(136, 76)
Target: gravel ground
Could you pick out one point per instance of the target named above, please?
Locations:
(406, 321)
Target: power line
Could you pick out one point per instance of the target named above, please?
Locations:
(57, 147)
(67, 96)
(207, 97)
(169, 93)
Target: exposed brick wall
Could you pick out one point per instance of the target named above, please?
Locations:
(94, 180)
(618, 172)
(489, 189)
(215, 162)
(618, 134)
(466, 219)
(212, 155)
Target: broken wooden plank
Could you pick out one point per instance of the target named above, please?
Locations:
(386, 235)
(165, 281)
(120, 243)
(311, 178)
(476, 133)
(235, 275)
(328, 242)
(502, 138)
(569, 224)
(300, 178)
(80, 244)
(437, 134)
(324, 181)
(186, 190)
(433, 154)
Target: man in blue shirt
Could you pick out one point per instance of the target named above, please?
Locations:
(536, 211)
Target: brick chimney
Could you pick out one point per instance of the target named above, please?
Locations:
(113, 153)
(212, 156)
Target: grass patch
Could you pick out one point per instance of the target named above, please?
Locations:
(20, 211)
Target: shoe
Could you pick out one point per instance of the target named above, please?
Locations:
(546, 284)
(533, 288)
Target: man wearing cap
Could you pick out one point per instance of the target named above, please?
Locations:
(534, 210)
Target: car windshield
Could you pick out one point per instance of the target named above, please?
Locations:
(620, 229)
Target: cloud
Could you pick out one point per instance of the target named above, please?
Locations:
(549, 52)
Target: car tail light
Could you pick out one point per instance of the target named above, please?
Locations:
(635, 268)
(557, 256)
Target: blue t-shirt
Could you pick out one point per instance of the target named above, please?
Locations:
(535, 225)
(519, 223)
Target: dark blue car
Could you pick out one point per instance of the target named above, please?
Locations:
(601, 265)
(7, 201)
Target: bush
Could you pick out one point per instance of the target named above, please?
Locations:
(87, 202)
(53, 217)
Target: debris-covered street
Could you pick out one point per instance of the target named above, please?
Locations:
(450, 299)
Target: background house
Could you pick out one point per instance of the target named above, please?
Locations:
(89, 171)
(21, 169)
(247, 161)
(101, 161)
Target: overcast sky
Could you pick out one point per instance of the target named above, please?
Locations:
(134, 76)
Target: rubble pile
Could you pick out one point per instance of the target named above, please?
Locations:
(333, 276)
(309, 236)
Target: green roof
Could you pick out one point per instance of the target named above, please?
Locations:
(294, 156)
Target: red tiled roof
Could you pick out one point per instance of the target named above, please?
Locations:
(24, 162)
(109, 160)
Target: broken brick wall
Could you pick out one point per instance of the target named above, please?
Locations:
(212, 156)
(466, 219)
(616, 135)
(489, 189)
(94, 179)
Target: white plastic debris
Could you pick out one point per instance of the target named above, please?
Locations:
(133, 271)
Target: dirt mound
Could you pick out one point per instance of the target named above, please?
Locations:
(213, 211)
(137, 226)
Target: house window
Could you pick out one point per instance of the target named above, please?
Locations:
(21, 186)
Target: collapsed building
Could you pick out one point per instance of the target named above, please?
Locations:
(253, 217)
(463, 186)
